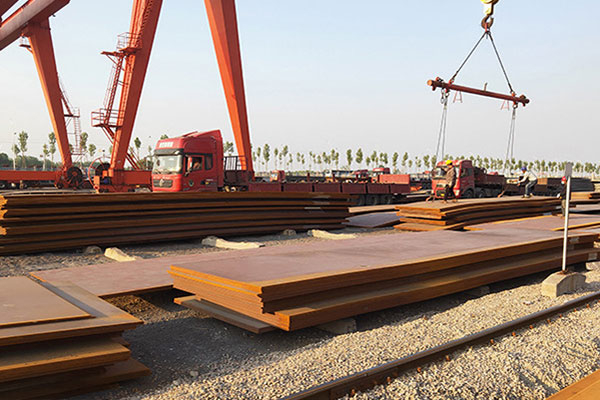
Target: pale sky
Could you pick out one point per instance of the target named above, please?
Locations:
(324, 74)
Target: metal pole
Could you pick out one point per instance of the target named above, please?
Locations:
(566, 231)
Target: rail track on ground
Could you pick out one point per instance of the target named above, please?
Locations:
(386, 373)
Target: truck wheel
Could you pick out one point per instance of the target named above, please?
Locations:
(468, 194)
(361, 200)
(480, 194)
(387, 199)
(372, 200)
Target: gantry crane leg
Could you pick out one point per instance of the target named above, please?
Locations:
(42, 49)
(224, 28)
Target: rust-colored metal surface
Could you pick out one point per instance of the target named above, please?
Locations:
(587, 388)
(293, 287)
(439, 83)
(34, 223)
(24, 302)
(105, 319)
(56, 338)
(429, 216)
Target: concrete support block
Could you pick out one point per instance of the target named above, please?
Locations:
(117, 254)
(560, 283)
(330, 236)
(213, 241)
(339, 327)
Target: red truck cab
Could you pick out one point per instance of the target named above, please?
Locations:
(192, 162)
(471, 181)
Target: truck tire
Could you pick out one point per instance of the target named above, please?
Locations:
(468, 194)
(480, 194)
(361, 200)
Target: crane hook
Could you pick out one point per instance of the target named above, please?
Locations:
(487, 22)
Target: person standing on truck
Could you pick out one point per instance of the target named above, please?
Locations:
(450, 178)
(529, 179)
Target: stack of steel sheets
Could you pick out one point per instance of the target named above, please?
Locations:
(35, 223)
(585, 197)
(297, 286)
(56, 340)
(430, 216)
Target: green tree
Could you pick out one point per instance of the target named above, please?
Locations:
(266, 155)
(92, 149)
(349, 158)
(359, 157)
(83, 143)
(284, 153)
(384, 158)
(374, 158)
(395, 157)
(164, 136)
(275, 156)
(15, 150)
(433, 162)
(52, 145)
(45, 153)
(23, 137)
(228, 148)
(404, 160)
(138, 145)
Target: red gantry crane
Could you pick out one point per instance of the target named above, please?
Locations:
(127, 79)
(31, 20)
(130, 65)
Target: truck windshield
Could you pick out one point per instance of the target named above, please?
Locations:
(167, 164)
(439, 172)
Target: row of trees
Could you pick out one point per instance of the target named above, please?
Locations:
(86, 152)
(283, 158)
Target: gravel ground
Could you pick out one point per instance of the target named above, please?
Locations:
(196, 357)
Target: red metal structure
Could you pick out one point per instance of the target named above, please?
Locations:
(195, 162)
(130, 65)
(439, 83)
(31, 21)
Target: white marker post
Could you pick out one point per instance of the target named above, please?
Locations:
(568, 173)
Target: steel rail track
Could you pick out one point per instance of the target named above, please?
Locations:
(385, 373)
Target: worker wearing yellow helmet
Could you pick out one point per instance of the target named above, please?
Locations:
(450, 178)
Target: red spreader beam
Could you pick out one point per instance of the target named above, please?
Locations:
(439, 83)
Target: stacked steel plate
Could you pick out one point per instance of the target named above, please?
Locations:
(35, 223)
(437, 215)
(585, 197)
(297, 286)
(58, 340)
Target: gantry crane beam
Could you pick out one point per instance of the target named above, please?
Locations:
(5, 5)
(223, 25)
(33, 11)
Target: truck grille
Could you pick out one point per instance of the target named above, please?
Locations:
(162, 183)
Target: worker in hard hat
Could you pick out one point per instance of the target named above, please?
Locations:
(529, 179)
(563, 196)
(450, 178)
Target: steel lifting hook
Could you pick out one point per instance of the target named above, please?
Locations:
(487, 22)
